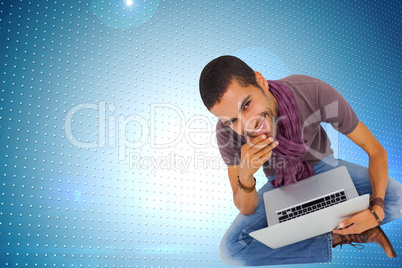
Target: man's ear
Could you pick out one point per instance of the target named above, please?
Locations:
(262, 82)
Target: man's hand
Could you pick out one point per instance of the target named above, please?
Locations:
(254, 154)
(360, 222)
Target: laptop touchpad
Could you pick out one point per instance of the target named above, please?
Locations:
(306, 190)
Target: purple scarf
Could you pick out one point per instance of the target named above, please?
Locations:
(291, 144)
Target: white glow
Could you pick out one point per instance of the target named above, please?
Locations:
(129, 2)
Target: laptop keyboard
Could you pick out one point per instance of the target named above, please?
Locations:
(311, 206)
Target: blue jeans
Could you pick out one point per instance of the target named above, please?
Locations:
(239, 248)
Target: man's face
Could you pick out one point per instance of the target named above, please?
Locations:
(250, 111)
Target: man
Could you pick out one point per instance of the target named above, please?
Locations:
(276, 125)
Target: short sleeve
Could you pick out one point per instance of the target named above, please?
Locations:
(335, 109)
(229, 143)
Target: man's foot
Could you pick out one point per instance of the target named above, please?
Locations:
(375, 235)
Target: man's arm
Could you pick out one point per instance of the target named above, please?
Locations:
(245, 202)
(253, 155)
(378, 174)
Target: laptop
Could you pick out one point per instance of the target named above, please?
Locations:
(309, 208)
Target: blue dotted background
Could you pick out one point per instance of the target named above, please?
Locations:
(108, 157)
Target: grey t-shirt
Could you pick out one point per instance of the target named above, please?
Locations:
(317, 102)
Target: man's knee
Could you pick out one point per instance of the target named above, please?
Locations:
(224, 251)
(393, 201)
(223, 254)
(231, 250)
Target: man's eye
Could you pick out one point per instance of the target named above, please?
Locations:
(246, 105)
(231, 122)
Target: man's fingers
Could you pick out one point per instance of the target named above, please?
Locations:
(346, 223)
(346, 231)
(259, 143)
(347, 226)
(252, 141)
(266, 157)
(266, 150)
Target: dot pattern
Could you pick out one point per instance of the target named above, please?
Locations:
(108, 157)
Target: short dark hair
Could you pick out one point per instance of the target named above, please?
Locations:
(219, 73)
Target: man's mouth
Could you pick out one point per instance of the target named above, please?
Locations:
(262, 125)
(261, 129)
